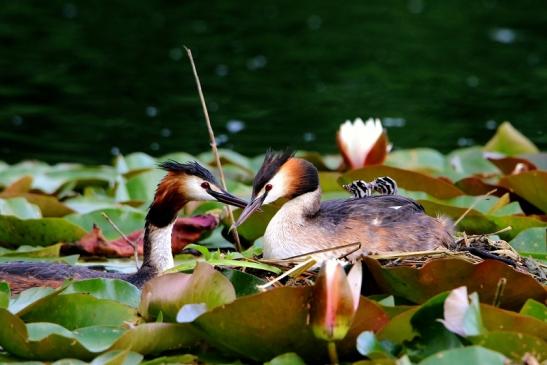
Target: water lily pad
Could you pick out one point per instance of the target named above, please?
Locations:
(233, 327)
(424, 160)
(79, 310)
(439, 275)
(20, 208)
(466, 355)
(112, 289)
(513, 344)
(37, 232)
(510, 141)
(47, 341)
(530, 186)
(168, 293)
(142, 186)
(409, 180)
(32, 251)
(534, 309)
(468, 161)
(127, 219)
(532, 240)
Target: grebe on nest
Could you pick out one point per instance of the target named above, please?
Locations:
(304, 224)
(181, 184)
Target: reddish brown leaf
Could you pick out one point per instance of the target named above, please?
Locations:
(186, 230)
(510, 165)
(438, 275)
(474, 185)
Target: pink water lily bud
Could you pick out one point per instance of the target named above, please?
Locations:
(333, 305)
(362, 143)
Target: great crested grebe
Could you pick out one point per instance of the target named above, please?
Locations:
(305, 224)
(182, 183)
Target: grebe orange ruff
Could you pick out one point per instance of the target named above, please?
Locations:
(304, 224)
(181, 184)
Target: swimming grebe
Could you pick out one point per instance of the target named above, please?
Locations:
(182, 183)
(305, 224)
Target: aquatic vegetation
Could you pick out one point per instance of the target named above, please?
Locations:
(215, 307)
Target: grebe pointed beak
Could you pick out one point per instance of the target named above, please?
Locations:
(253, 206)
(227, 198)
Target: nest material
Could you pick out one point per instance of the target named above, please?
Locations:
(474, 248)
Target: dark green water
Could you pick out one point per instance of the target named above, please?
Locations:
(81, 80)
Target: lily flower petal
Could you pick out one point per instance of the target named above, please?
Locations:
(362, 143)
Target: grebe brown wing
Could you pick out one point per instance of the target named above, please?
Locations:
(23, 275)
(386, 208)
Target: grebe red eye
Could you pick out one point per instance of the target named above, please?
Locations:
(205, 185)
(268, 187)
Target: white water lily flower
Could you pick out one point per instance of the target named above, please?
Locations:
(362, 143)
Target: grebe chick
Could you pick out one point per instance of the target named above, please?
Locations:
(304, 224)
(182, 183)
(382, 185)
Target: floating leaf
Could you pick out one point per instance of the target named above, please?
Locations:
(368, 345)
(20, 208)
(31, 251)
(244, 283)
(409, 180)
(142, 186)
(529, 185)
(49, 205)
(468, 161)
(510, 165)
(126, 218)
(513, 344)
(79, 310)
(439, 275)
(168, 293)
(466, 355)
(286, 359)
(37, 232)
(5, 294)
(510, 141)
(496, 319)
(534, 309)
(111, 289)
(118, 357)
(232, 328)
(424, 160)
(532, 240)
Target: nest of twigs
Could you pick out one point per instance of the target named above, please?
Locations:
(474, 248)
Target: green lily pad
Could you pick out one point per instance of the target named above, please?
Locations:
(424, 160)
(439, 275)
(168, 293)
(513, 344)
(234, 327)
(409, 180)
(510, 141)
(113, 289)
(142, 186)
(20, 208)
(286, 359)
(5, 294)
(15, 232)
(534, 309)
(118, 357)
(496, 319)
(532, 240)
(47, 341)
(244, 283)
(32, 251)
(468, 161)
(79, 310)
(529, 185)
(127, 219)
(466, 355)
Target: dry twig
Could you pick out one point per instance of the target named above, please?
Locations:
(213, 144)
(126, 239)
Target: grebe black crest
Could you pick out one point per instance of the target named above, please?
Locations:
(182, 183)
